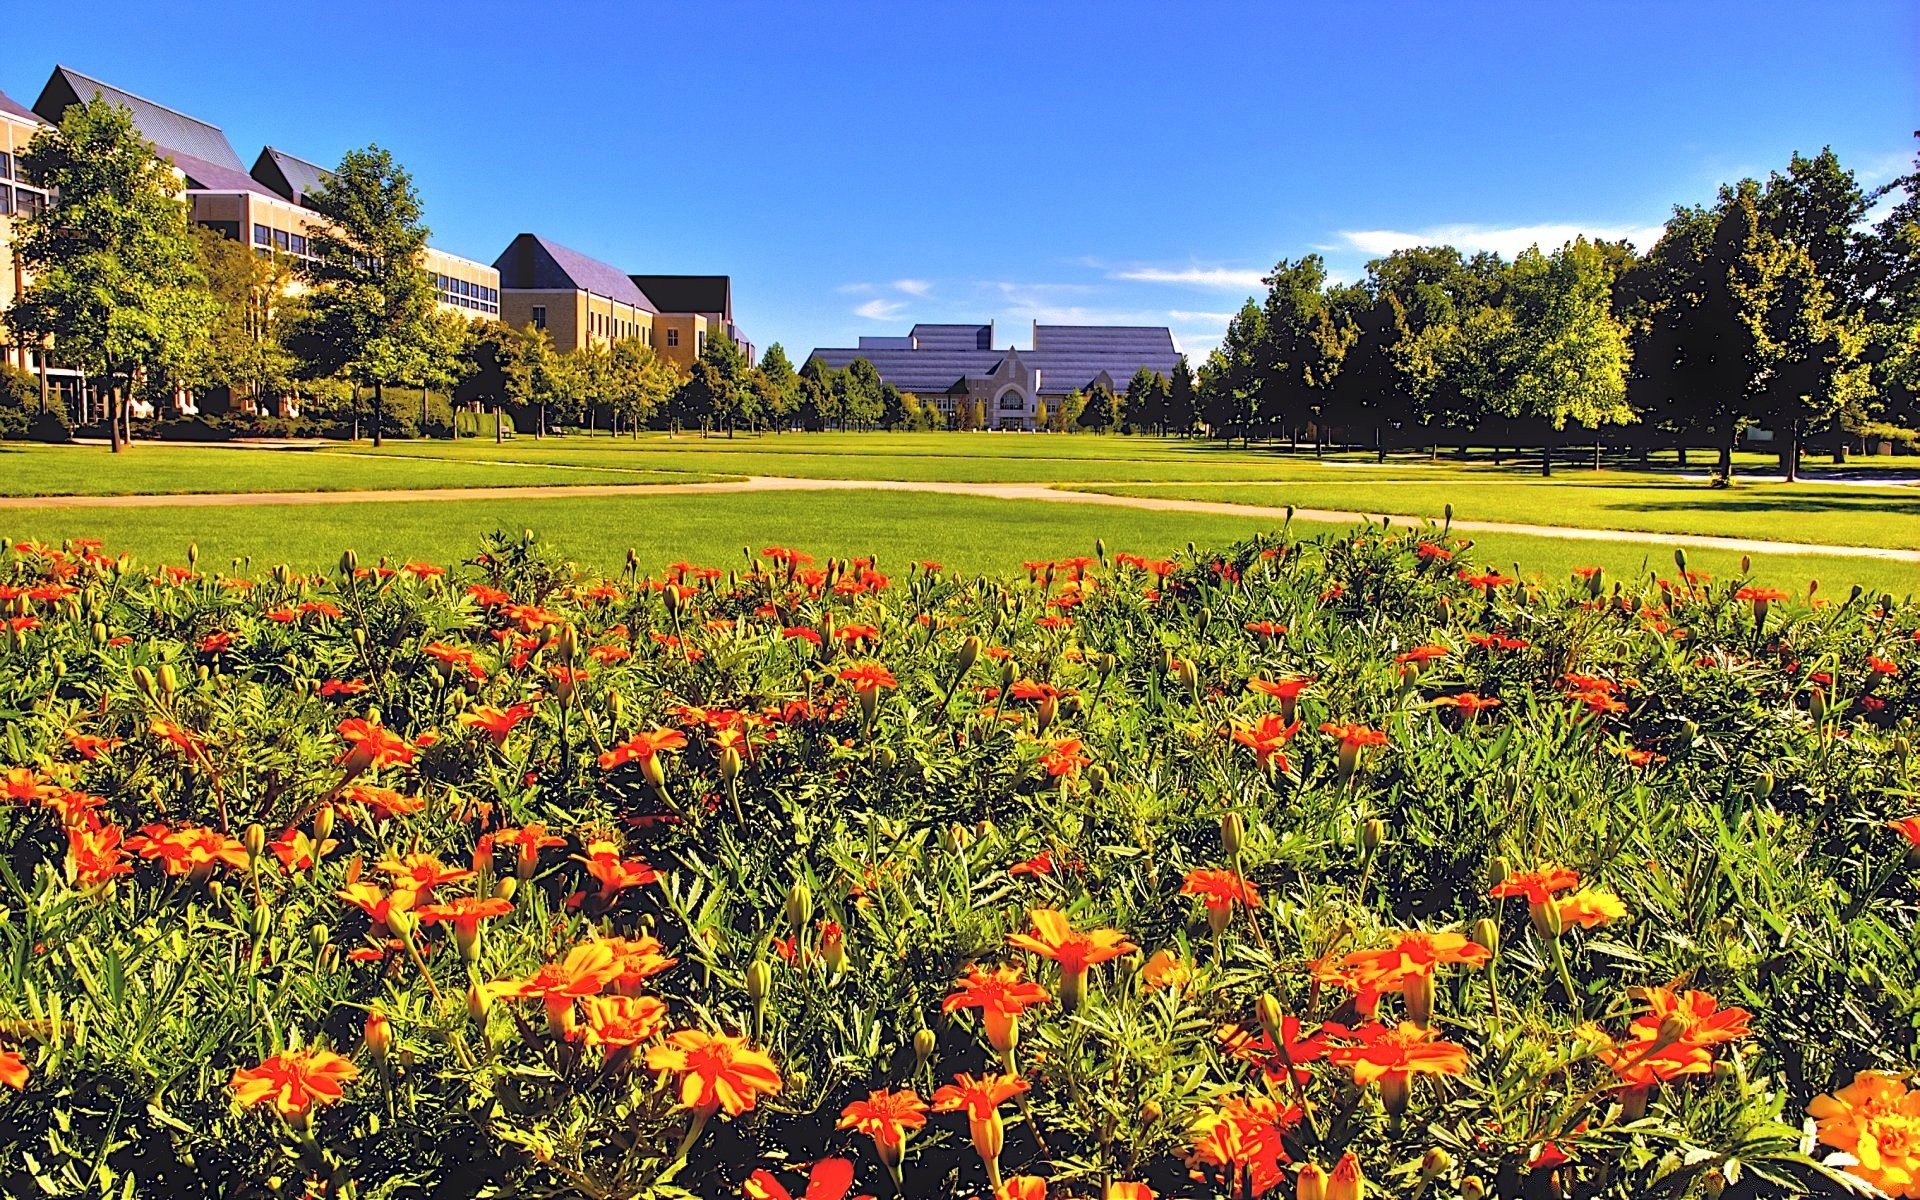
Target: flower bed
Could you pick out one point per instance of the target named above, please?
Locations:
(1302, 868)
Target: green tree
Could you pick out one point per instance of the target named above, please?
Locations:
(446, 361)
(117, 288)
(1183, 410)
(1302, 344)
(368, 316)
(640, 384)
(534, 376)
(1235, 382)
(1572, 353)
(1147, 400)
(858, 389)
(777, 385)
(1890, 293)
(717, 390)
(819, 395)
(245, 351)
(1808, 350)
(1104, 409)
(1371, 389)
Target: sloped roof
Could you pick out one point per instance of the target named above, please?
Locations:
(211, 177)
(928, 372)
(15, 108)
(533, 263)
(952, 337)
(175, 134)
(688, 293)
(288, 177)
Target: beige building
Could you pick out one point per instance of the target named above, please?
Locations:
(17, 197)
(580, 301)
(691, 309)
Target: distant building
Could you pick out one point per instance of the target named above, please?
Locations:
(951, 366)
(690, 308)
(577, 299)
(268, 208)
(18, 125)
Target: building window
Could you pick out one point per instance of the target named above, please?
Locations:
(673, 337)
(262, 236)
(6, 201)
(6, 166)
(699, 342)
(539, 316)
(29, 203)
(299, 245)
(1012, 402)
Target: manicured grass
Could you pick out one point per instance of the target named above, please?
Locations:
(1833, 514)
(965, 533)
(156, 469)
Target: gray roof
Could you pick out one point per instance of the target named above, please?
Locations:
(953, 337)
(289, 177)
(10, 105)
(688, 293)
(175, 134)
(1068, 357)
(533, 263)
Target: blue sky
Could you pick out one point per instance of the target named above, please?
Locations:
(859, 167)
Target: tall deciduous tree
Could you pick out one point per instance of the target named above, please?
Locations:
(1183, 411)
(1572, 355)
(368, 314)
(245, 350)
(1104, 409)
(117, 287)
(777, 385)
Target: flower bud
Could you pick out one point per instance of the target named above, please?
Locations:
(885, 760)
(503, 889)
(1713, 1183)
(478, 1004)
(1268, 1009)
(255, 840)
(1233, 833)
(955, 839)
(1763, 786)
(1435, 1163)
(1346, 1182)
(318, 936)
(143, 682)
(1472, 1188)
(924, 1043)
(1372, 833)
(759, 981)
(169, 679)
(379, 1035)
(730, 764)
(968, 655)
(1500, 871)
(1150, 1112)
(1312, 1184)
(799, 907)
(323, 824)
(349, 561)
(1486, 931)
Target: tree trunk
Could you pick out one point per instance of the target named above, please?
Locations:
(113, 419)
(1596, 454)
(379, 411)
(1790, 454)
(1546, 455)
(1379, 445)
(540, 427)
(499, 427)
(1726, 454)
(1683, 456)
(43, 381)
(423, 411)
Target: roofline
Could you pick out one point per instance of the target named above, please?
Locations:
(137, 96)
(270, 148)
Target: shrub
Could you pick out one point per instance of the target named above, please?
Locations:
(1297, 858)
(20, 415)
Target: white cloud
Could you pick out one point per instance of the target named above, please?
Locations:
(1208, 277)
(881, 310)
(1504, 240)
(854, 289)
(912, 287)
(1200, 318)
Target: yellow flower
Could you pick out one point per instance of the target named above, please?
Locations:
(1588, 908)
(1165, 970)
(1876, 1120)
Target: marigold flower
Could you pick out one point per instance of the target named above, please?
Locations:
(1408, 967)
(828, 1179)
(1075, 951)
(371, 746)
(383, 803)
(189, 850)
(621, 1022)
(1467, 702)
(1267, 738)
(1064, 757)
(718, 1072)
(527, 841)
(95, 854)
(585, 971)
(1693, 1017)
(1022, 1187)
(645, 747)
(13, 1069)
(981, 1099)
(613, 873)
(637, 960)
(1909, 828)
(1242, 1139)
(1165, 970)
(1588, 908)
(1001, 997)
(1391, 1055)
(420, 873)
(1876, 1121)
(1128, 1189)
(22, 786)
(1295, 1049)
(868, 677)
(1220, 891)
(1537, 886)
(887, 1118)
(297, 851)
(1641, 1062)
(497, 722)
(294, 1081)
(1422, 655)
(464, 914)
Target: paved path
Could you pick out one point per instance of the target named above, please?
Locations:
(1048, 493)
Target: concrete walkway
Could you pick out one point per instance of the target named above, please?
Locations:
(1047, 493)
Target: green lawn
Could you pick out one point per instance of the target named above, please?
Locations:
(150, 469)
(966, 533)
(1833, 514)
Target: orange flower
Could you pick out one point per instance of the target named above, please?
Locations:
(1467, 702)
(1291, 1053)
(981, 1099)
(24, 787)
(527, 842)
(1909, 828)
(646, 748)
(829, 1179)
(1286, 691)
(1642, 1062)
(1391, 1055)
(615, 874)
(1165, 970)
(887, 1118)
(379, 905)
(1220, 891)
(718, 1073)
(294, 1081)
(1537, 886)
(189, 850)
(465, 914)
(370, 746)
(621, 1022)
(1420, 656)
(868, 677)
(13, 1069)
(585, 971)
(1588, 908)
(94, 855)
(1352, 738)
(638, 960)
(1064, 758)
(1022, 1187)
(1127, 1189)
(498, 722)
(1242, 1140)
(1054, 938)
(1876, 1121)
(1266, 738)
(1693, 1017)
(1408, 967)
(1001, 997)
(420, 873)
